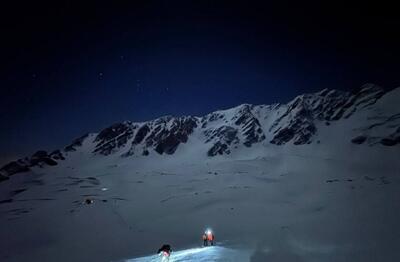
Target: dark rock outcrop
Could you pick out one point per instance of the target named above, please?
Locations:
(224, 137)
(41, 157)
(297, 123)
(226, 134)
(38, 159)
(168, 144)
(14, 167)
(114, 137)
(212, 117)
(2, 177)
(300, 127)
(57, 155)
(388, 141)
(226, 130)
(162, 135)
(283, 136)
(145, 152)
(141, 134)
(250, 126)
(76, 143)
(218, 149)
(167, 140)
(359, 140)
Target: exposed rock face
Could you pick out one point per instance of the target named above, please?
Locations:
(114, 137)
(76, 143)
(57, 155)
(250, 126)
(41, 157)
(245, 126)
(226, 134)
(38, 159)
(218, 149)
(389, 125)
(224, 137)
(297, 124)
(14, 167)
(388, 141)
(166, 140)
(212, 117)
(141, 134)
(224, 131)
(2, 177)
(162, 135)
(365, 96)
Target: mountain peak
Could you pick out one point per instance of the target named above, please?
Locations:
(231, 130)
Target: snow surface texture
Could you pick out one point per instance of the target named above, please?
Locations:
(208, 254)
(332, 200)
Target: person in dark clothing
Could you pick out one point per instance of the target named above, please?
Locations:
(165, 252)
(205, 242)
(208, 238)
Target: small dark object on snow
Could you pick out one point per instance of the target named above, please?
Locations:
(388, 141)
(88, 201)
(332, 180)
(359, 140)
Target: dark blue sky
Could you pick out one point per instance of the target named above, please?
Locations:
(71, 68)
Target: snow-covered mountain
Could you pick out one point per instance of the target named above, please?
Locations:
(366, 116)
(316, 179)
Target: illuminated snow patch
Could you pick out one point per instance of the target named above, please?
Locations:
(211, 254)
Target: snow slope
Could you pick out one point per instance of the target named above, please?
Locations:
(331, 200)
(368, 116)
(209, 254)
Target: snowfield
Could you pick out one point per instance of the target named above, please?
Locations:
(307, 205)
(211, 254)
(331, 200)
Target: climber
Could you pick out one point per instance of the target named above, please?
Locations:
(165, 252)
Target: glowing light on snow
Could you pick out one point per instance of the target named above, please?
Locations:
(204, 254)
(192, 251)
(184, 255)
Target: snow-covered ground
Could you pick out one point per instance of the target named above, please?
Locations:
(330, 200)
(208, 254)
(305, 203)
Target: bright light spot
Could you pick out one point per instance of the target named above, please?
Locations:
(191, 251)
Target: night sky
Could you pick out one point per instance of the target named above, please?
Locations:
(72, 68)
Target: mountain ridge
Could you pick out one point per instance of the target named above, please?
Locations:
(224, 131)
